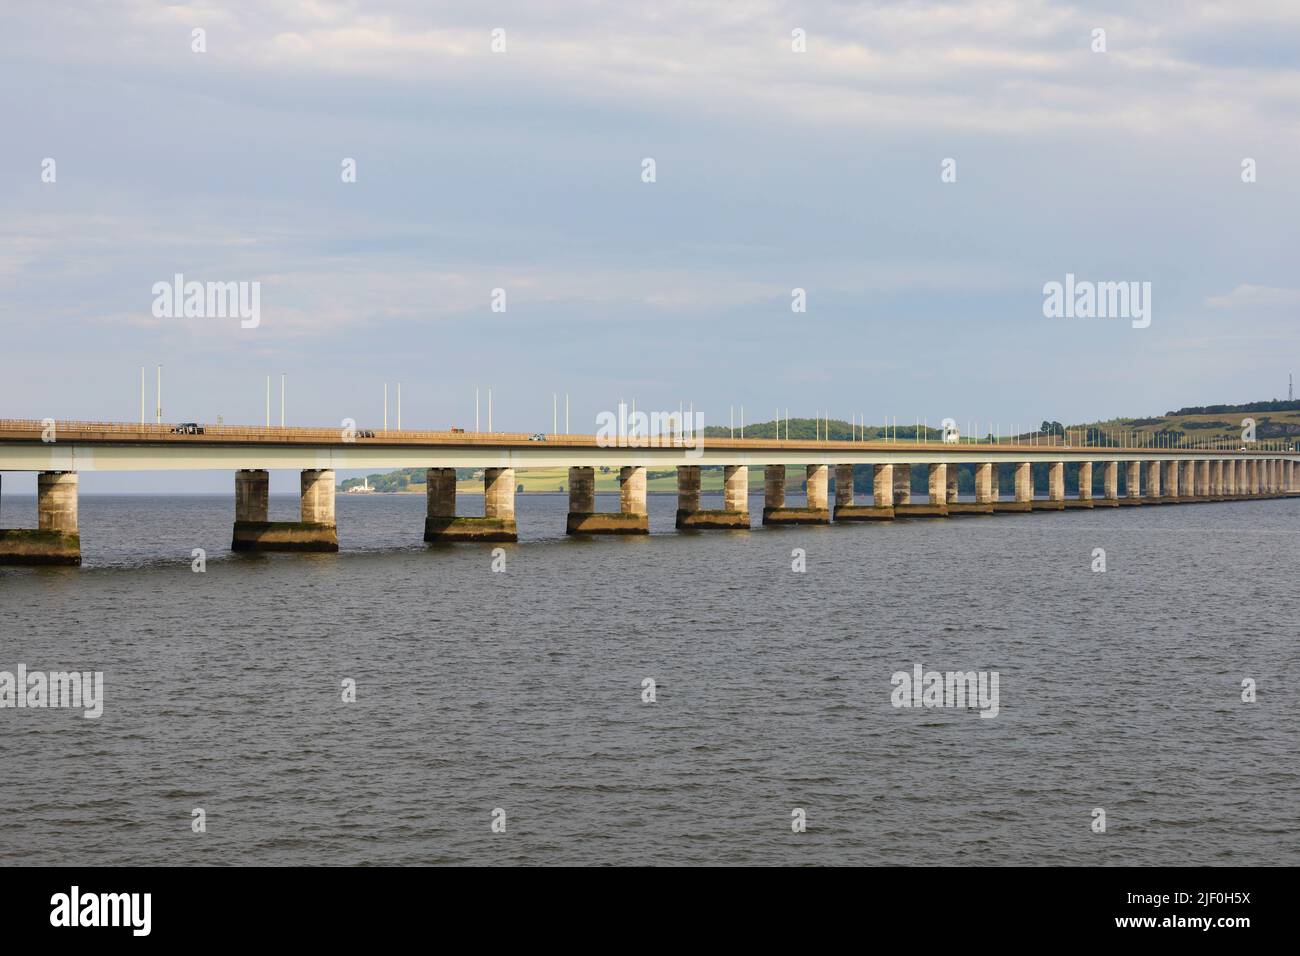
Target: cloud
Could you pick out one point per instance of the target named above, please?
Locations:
(1254, 297)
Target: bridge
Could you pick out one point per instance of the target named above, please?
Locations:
(59, 451)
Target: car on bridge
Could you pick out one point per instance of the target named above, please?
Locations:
(188, 428)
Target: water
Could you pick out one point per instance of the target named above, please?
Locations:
(522, 690)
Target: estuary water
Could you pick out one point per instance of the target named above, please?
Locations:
(521, 690)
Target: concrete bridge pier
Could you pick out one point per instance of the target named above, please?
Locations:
(846, 507)
(1024, 494)
(1109, 486)
(882, 487)
(1055, 488)
(735, 500)
(985, 475)
(315, 531)
(936, 505)
(1152, 495)
(1084, 497)
(816, 511)
(55, 540)
(1171, 482)
(882, 496)
(902, 485)
(688, 492)
(843, 487)
(441, 523)
(631, 517)
(1230, 479)
(1133, 484)
(1189, 482)
(1216, 479)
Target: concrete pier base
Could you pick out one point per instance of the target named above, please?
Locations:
(607, 522)
(441, 523)
(55, 539)
(1024, 497)
(796, 516)
(1071, 503)
(31, 546)
(817, 510)
(986, 493)
(1047, 504)
(936, 510)
(863, 513)
(315, 532)
(631, 518)
(734, 513)
(469, 528)
(284, 536)
(712, 520)
(935, 507)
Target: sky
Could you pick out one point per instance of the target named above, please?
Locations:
(522, 169)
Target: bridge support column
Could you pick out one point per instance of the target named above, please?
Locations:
(937, 481)
(902, 485)
(1187, 484)
(846, 508)
(315, 531)
(1132, 484)
(1290, 475)
(735, 500)
(1084, 498)
(688, 493)
(1172, 470)
(1153, 496)
(1229, 478)
(882, 496)
(631, 517)
(55, 540)
(843, 487)
(988, 483)
(1216, 479)
(815, 511)
(882, 486)
(953, 491)
(1109, 486)
(1055, 488)
(441, 523)
(773, 488)
(938, 487)
(985, 474)
(1024, 494)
